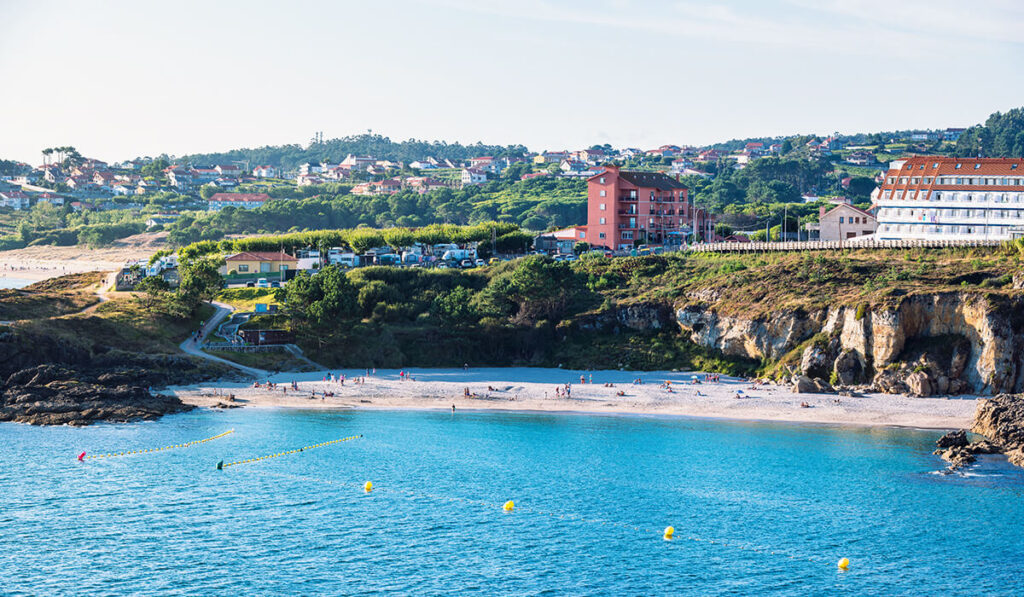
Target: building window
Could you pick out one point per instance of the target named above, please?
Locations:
(601, 207)
(604, 193)
(602, 180)
(602, 220)
(976, 166)
(626, 235)
(600, 235)
(243, 268)
(840, 219)
(958, 166)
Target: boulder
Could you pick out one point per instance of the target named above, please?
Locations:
(803, 385)
(821, 386)
(941, 385)
(848, 367)
(1001, 420)
(815, 361)
(953, 439)
(919, 384)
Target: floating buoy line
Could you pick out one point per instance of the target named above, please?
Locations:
(223, 465)
(83, 456)
(668, 533)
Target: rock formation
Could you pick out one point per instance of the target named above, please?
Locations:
(52, 395)
(924, 344)
(1001, 420)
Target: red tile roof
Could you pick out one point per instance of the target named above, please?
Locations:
(947, 166)
(261, 256)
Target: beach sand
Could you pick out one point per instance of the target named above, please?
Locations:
(43, 261)
(531, 389)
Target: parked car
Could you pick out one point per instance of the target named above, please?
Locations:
(250, 284)
(275, 284)
(466, 263)
(479, 262)
(442, 265)
(262, 283)
(494, 260)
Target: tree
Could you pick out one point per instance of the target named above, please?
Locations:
(208, 190)
(723, 230)
(454, 307)
(200, 280)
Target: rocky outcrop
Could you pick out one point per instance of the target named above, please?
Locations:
(801, 384)
(52, 395)
(958, 452)
(1001, 420)
(975, 341)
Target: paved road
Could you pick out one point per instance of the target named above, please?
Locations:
(192, 347)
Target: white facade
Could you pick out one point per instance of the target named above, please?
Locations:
(951, 199)
(952, 216)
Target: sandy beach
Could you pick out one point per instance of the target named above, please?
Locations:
(530, 389)
(43, 262)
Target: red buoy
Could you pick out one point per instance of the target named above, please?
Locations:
(81, 457)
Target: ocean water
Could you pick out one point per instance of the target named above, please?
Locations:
(757, 507)
(7, 282)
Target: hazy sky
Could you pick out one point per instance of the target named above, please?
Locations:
(123, 79)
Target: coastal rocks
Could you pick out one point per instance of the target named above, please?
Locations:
(958, 452)
(849, 368)
(815, 361)
(919, 384)
(801, 384)
(974, 339)
(51, 395)
(1001, 420)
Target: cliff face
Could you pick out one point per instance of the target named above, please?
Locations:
(925, 343)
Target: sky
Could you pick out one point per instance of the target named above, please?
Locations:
(119, 80)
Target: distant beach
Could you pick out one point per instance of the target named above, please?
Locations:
(534, 389)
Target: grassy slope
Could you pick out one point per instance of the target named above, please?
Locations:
(50, 298)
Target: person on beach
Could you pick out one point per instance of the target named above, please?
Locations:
(453, 409)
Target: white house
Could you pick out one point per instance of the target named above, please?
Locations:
(473, 176)
(842, 222)
(219, 201)
(228, 170)
(14, 200)
(264, 172)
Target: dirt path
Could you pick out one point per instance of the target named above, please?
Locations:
(194, 347)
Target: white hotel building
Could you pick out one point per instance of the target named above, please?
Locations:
(940, 198)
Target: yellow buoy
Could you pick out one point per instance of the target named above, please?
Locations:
(509, 505)
(669, 531)
(368, 487)
(844, 564)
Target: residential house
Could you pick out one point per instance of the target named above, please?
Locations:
(551, 157)
(754, 149)
(862, 158)
(422, 165)
(473, 176)
(424, 184)
(355, 162)
(103, 178)
(842, 222)
(305, 180)
(626, 207)
(180, 178)
(51, 199)
(257, 262)
(219, 201)
(952, 134)
(82, 206)
(264, 172)
(228, 171)
(14, 200)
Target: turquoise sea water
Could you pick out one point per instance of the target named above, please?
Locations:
(6, 282)
(592, 495)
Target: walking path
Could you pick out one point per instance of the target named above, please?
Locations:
(194, 347)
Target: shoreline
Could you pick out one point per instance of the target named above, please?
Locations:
(532, 391)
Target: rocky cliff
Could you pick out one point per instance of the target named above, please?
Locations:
(937, 343)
